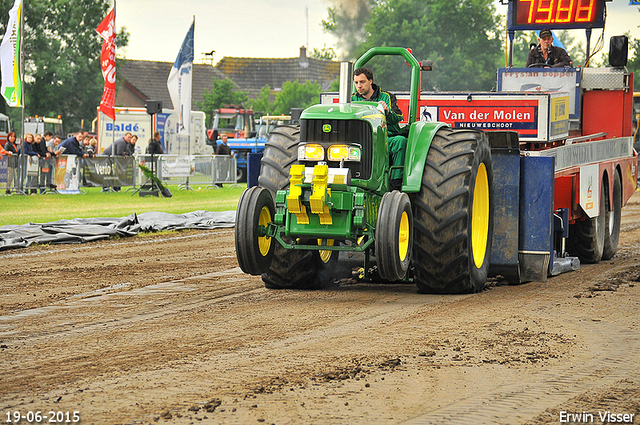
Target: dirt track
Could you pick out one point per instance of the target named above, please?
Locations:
(166, 329)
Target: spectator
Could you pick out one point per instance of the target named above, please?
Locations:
(223, 148)
(72, 146)
(40, 147)
(120, 146)
(92, 147)
(28, 153)
(155, 147)
(12, 151)
(117, 148)
(86, 146)
(56, 142)
(131, 146)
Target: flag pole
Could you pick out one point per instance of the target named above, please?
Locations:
(23, 159)
(20, 70)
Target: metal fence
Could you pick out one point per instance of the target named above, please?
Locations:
(196, 170)
(25, 174)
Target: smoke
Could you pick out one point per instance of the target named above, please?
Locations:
(347, 22)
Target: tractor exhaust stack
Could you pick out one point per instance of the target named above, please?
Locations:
(346, 72)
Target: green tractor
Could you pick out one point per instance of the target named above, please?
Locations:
(324, 188)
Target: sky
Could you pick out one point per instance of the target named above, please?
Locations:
(264, 28)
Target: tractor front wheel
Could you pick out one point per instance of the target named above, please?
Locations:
(394, 236)
(453, 214)
(290, 268)
(255, 211)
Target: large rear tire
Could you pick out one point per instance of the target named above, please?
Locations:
(586, 238)
(394, 236)
(612, 220)
(453, 214)
(290, 268)
(255, 210)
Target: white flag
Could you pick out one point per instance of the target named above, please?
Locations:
(180, 81)
(10, 58)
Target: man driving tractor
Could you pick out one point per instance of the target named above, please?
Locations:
(367, 90)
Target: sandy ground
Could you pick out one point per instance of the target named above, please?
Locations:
(166, 329)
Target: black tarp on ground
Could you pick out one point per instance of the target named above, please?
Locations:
(81, 230)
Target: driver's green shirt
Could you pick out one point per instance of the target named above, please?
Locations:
(394, 116)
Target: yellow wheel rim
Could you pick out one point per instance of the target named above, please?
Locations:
(264, 242)
(480, 218)
(325, 255)
(403, 236)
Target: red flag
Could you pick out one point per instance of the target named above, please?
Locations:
(107, 30)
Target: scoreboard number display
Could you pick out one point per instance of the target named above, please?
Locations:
(556, 14)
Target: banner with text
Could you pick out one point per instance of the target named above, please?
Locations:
(109, 171)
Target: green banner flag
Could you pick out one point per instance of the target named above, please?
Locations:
(10, 58)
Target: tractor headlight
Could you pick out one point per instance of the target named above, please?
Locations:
(346, 152)
(310, 152)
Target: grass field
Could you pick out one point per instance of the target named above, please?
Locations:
(19, 209)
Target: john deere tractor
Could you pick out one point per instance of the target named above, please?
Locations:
(324, 188)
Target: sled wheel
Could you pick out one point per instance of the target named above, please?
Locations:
(394, 236)
(453, 214)
(612, 220)
(255, 211)
(586, 238)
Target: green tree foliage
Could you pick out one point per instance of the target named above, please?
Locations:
(222, 93)
(634, 62)
(62, 57)
(262, 104)
(459, 37)
(296, 95)
(326, 53)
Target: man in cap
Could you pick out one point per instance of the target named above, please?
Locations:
(546, 54)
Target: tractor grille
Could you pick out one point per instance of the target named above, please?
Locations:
(342, 131)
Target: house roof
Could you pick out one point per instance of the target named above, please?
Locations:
(251, 74)
(148, 79)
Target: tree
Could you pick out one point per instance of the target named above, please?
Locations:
(459, 37)
(262, 103)
(223, 92)
(634, 62)
(296, 95)
(62, 57)
(326, 53)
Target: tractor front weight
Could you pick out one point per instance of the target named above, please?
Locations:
(321, 205)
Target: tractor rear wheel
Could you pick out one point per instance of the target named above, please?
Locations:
(290, 268)
(586, 238)
(255, 210)
(453, 214)
(394, 236)
(612, 220)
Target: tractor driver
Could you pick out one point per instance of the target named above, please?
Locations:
(367, 90)
(548, 54)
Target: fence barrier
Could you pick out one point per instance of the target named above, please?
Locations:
(26, 174)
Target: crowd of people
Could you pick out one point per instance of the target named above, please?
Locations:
(31, 163)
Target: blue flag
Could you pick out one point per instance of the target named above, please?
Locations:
(180, 80)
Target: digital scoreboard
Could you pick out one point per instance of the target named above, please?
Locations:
(556, 14)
